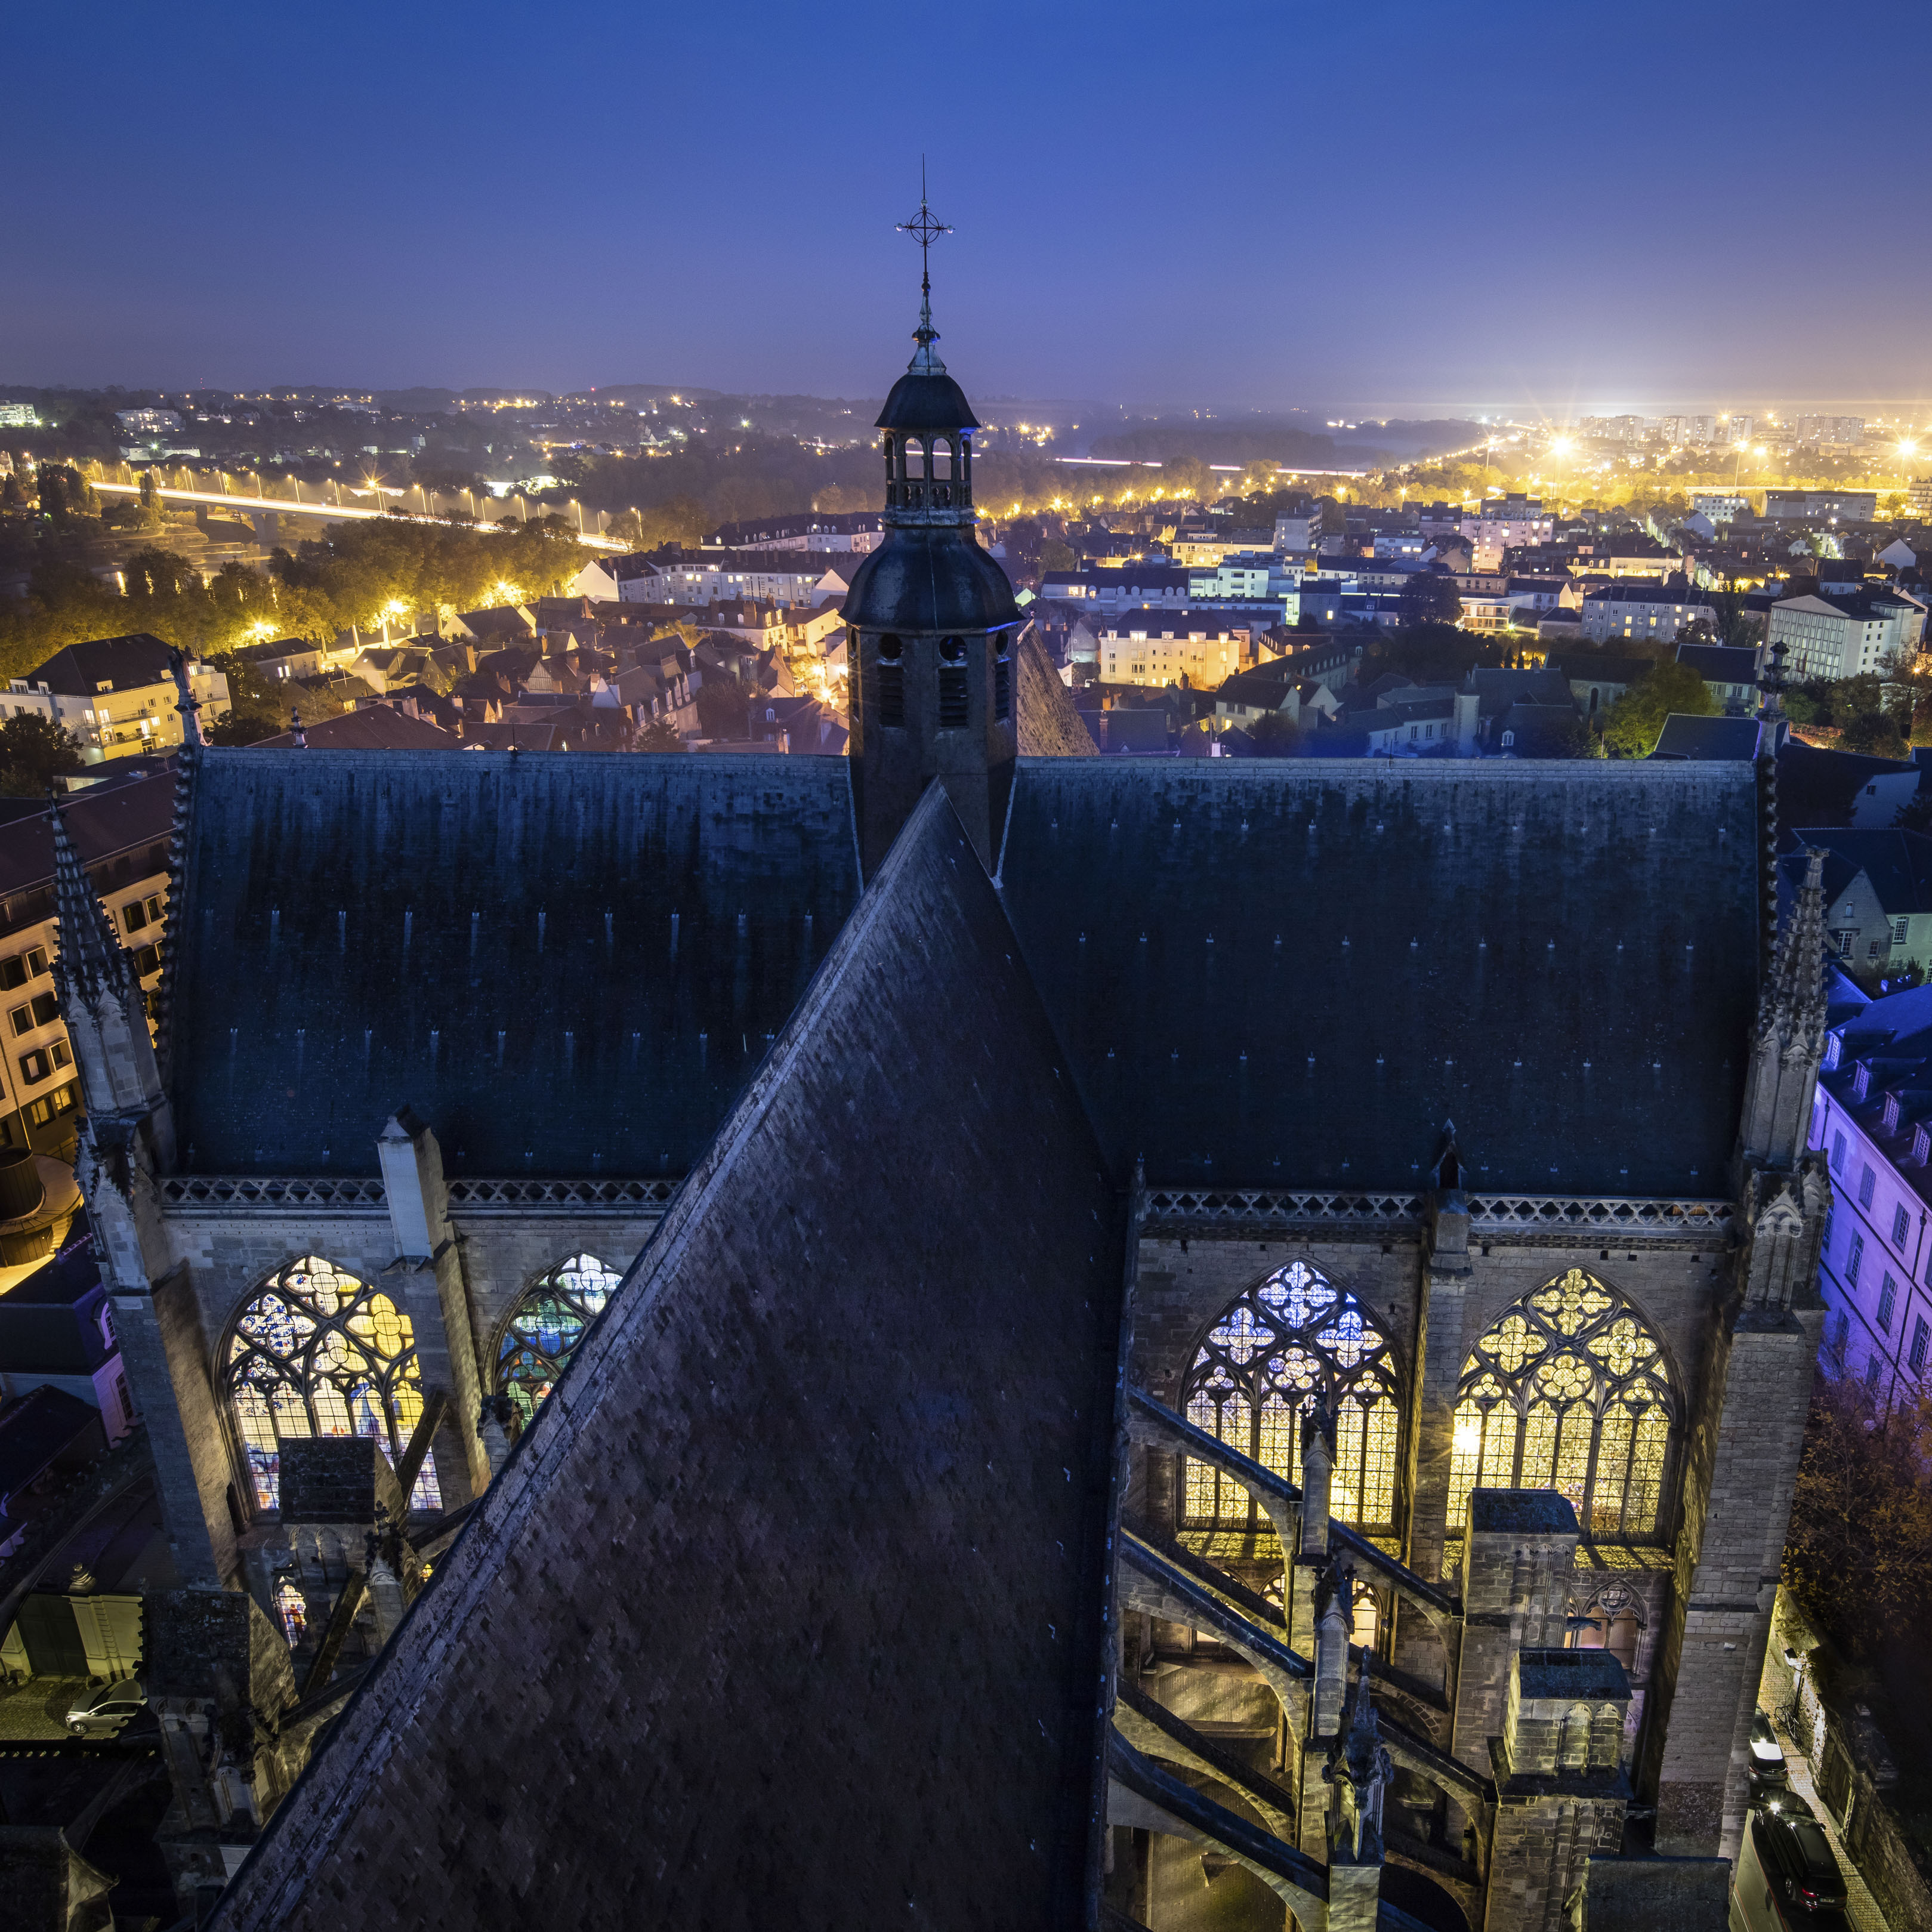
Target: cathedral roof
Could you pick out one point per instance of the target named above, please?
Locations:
(1291, 972)
(795, 1559)
(568, 964)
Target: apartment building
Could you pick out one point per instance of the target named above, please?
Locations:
(1873, 1121)
(1115, 590)
(774, 576)
(1194, 545)
(1627, 611)
(1843, 634)
(119, 828)
(853, 530)
(1821, 506)
(116, 695)
(1158, 648)
(1507, 522)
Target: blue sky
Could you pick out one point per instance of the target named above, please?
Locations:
(1387, 206)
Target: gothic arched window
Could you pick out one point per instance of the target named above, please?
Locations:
(1289, 1343)
(1569, 1391)
(544, 1328)
(318, 1352)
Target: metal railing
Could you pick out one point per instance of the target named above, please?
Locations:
(230, 1191)
(244, 1190)
(1253, 1204)
(561, 1193)
(1488, 1212)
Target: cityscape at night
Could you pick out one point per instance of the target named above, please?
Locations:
(963, 970)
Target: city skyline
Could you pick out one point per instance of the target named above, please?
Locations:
(1543, 215)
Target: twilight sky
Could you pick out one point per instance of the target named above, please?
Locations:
(1389, 205)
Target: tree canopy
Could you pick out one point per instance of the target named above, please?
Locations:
(1430, 597)
(1636, 719)
(351, 575)
(33, 750)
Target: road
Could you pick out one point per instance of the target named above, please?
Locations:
(328, 513)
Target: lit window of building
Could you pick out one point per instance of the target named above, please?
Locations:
(1569, 1391)
(318, 1352)
(1292, 1342)
(544, 1328)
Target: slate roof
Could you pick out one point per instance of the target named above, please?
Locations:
(1684, 736)
(376, 728)
(1898, 864)
(1653, 1894)
(129, 663)
(798, 1558)
(1726, 663)
(103, 820)
(491, 939)
(35, 1432)
(1482, 904)
(1816, 784)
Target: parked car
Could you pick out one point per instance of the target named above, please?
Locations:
(101, 1712)
(1786, 1878)
(1768, 1772)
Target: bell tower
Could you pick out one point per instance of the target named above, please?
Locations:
(933, 628)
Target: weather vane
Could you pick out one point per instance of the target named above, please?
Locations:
(925, 230)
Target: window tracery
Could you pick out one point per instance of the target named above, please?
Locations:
(1294, 1341)
(1568, 1391)
(319, 1352)
(544, 1328)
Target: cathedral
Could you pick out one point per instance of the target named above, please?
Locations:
(966, 1337)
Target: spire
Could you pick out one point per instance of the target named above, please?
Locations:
(1793, 1010)
(91, 958)
(1771, 683)
(186, 703)
(1789, 1037)
(925, 230)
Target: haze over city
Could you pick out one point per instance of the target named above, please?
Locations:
(1370, 210)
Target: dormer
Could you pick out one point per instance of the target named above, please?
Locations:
(1891, 1113)
(1861, 1081)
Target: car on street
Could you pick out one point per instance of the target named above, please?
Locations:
(100, 1712)
(1786, 1878)
(1768, 1773)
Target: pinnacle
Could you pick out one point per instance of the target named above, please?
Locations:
(90, 957)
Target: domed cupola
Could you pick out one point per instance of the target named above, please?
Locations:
(934, 626)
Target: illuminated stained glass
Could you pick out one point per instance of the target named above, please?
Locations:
(545, 1327)
(319, 1352)
(293, 1608)
(1569, 1391)
(1295, 1341)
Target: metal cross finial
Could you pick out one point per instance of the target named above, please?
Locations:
(925, 230)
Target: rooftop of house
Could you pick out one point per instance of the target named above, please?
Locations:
(1725, 663)
(1631, 590)
(106, 823)
(1897, 864)
(1687, 736)
(44, 1426)
(134, 662)
(374, 727)
(1586, 667)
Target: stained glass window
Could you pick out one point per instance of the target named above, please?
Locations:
(318, 1352)
(1293, 1341)
(1568, 1391)
(544, 1328)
